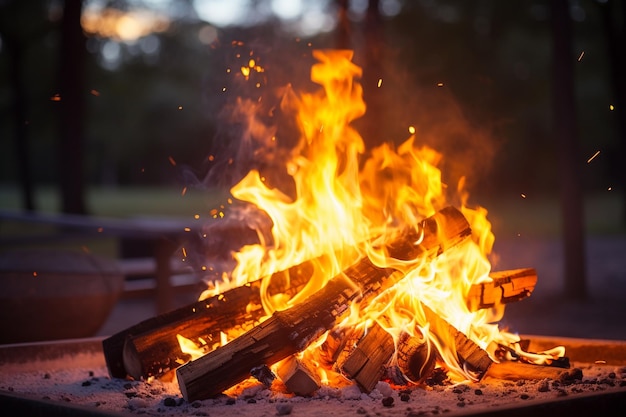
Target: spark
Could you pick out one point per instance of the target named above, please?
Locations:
(610, 189)
(172, 161)
(180, 107)
(95, 93)
(100, 229)
(439, 84)
(228, 70)
(184, 191)
(380, 82)
(211, 158)
(580, 57)
(196, 216)
(56, 97)
(35, 273)
(412, 130)
(594, 155)
(187, 229)
(223, 89)
(252, 63)
(523, 195)
(184, 252)
(611, 107)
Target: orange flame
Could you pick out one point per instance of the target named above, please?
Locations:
(340, 205)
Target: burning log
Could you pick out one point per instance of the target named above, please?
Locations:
(515, 371)
(297, 377)
(416, 358)
(469, 354)
(506, 287)
(366, 363)
(151, 348)
(292, 330)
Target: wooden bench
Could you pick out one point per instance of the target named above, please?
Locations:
(164, 236)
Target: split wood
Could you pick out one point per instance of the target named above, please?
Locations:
(290, 331)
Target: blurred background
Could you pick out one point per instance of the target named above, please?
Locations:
(121, 107)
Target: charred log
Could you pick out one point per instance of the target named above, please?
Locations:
(292, 330)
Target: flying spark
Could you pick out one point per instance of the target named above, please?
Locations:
(594, 155)
(580, 57)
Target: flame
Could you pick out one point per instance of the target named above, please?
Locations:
(341, 205)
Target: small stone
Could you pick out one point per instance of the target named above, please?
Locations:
(460, 404)
(230, 401)
(405, 397)
(86, 383)
(361, 410)
(478, 391)
(196, 404)
(128, 385)
(388, 401)
(283, 409)
(571, 376)
(612, 375)
(170, 402)
(544, 386)
(46, 376)
(524, 396)
(91, 373)
(251, 401)
(136, 403)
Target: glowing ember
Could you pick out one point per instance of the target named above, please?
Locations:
(342, 205)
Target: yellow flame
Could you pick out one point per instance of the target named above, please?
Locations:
(341, 204)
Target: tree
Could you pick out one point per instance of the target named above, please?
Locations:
(72, 115)
(565, 132)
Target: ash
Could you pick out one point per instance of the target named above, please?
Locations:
(92, 387)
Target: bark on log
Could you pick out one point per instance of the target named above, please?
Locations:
(469, 354)
(366, 363)
(290, 331)
(416, 358)
(150, 348)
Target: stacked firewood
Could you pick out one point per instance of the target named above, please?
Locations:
(152, 349)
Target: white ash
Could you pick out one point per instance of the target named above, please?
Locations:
(92, 387)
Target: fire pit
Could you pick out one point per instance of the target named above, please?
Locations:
(372, 292)
(70, 378)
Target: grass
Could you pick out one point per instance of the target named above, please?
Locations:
(104, 202)
(538, 217)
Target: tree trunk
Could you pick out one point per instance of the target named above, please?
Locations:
(71, 82)
(15, 48)
(565, 133)
(613, 14)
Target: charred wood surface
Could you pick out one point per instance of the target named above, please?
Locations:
(471, 356)
(290, 331)
(416, 357)
(505, 287)
(151, 347)
(366, 363)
